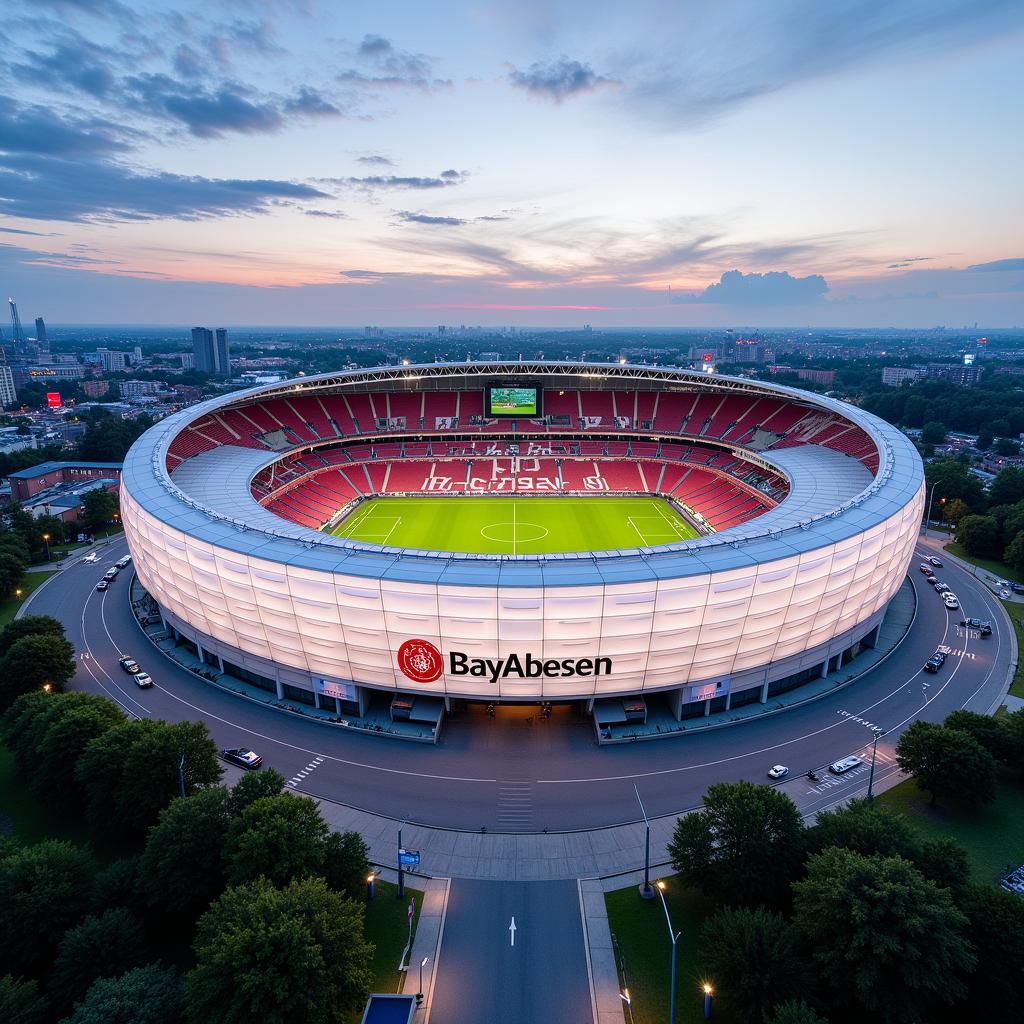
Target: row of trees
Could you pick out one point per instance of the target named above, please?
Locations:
(35, 657)
(858, 915)
(250, 878)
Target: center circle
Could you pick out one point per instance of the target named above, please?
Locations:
(509, 533)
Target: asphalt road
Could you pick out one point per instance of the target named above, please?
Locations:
(484, 977)
(520, 773)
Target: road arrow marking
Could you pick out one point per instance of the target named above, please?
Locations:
(512, 931)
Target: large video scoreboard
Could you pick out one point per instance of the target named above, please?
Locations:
(504, 400)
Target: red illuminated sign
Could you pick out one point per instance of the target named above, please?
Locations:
(420, 661)
(53, 399)
(709, 357)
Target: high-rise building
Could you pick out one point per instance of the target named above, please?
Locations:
(8, 394)
(203, 350)
(223, 353)
(188, 361)
(41, 332)
(111, 359)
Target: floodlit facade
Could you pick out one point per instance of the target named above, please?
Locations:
(727, 618)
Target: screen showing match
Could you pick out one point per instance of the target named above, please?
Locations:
(513, 401)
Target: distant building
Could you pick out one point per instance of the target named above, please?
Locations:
(188, 361)
(203, 351)
(139, 388)
(222, 353)
(27, 483)
(817, 376)
(897, 376)
(956, 373)
(8, 393)
(46, 373)
(137, 354)
(95, 388)
(112, 361)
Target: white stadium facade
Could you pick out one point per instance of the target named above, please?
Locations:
(809, 510)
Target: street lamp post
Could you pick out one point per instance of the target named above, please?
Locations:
(871, 774)
(708, 993)
(674, 936)
(370, 879)
(419, 994)
(46, 545)
(401, 873)
(646, 892)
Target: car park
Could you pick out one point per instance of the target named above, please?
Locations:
(130, 665)
(102, 585)
(950, 601)
(778, 771)
(936, 562)
(242, 757)
(935, 662)
(984, 628)
(844, 764)
(143, 680)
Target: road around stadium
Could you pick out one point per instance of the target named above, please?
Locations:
(550, 770)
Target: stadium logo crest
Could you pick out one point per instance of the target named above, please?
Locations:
(420, 661)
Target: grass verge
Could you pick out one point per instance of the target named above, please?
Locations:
(642, 944)
(1000, 569)
(29, 582)
(992, 835)
(1016, 613)
(387, 927)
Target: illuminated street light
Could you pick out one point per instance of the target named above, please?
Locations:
(419, 994)
(674, 936)
(708, 993)
(370, 879)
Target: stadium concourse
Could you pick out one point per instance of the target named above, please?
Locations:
(384, 549)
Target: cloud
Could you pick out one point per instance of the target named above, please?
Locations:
(38, 129)
(426, 218)
(909, 262)
(311, 103)
(775, 288)
(999, 265)
(22, 231)
(389, 67)
(75, 62)
(44, 188)
(333, 214)
(445, 179)
(559, 80)
(375, 160)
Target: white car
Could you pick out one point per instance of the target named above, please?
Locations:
(950, 601)
(844, 765)
(143, 680)
(935, 562)
(778, 771)
(122, 562)
(91, 558)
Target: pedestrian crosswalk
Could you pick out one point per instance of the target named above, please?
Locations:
(304, 773)
(515, 806)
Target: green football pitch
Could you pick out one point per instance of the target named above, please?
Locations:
(515, 526)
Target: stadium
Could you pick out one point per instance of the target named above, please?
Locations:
(612, 536)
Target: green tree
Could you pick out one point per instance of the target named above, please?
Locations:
(280, 837)
(989, 731)
(947, 762)
(980, 536)
(793, 1011)
(12, 568)
(864, 826)
(29, 625)
(108, 438)
(100, 946)
(882, 935)
(985, 439)
(951, 479)
(145, 995)
(955, 511)
(279, 956)
(120, 884)
(1008, 487)
(130, 773)
(933, 433)
(346, 862)
(44, 889)
(741, 824)
(98, 508)
(942, 860)
(182, 869)
(752, 954)
(1014, 553)
(253, 786)
(1007, 447)
(33, 663)
(1014, 725)
(997, 931)
(21, 1002)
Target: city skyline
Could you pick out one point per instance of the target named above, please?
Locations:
(671, 166)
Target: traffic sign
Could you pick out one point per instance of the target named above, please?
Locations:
(408, 858)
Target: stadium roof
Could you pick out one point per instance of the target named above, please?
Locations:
(833, 496)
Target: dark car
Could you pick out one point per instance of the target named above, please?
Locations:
(130, 665)
(102, 585)
(242, 757)
(985, 628)
(935, 662)
(935, 562)
(1017, 588)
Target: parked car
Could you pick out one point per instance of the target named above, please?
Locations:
(950, 601)
(940, 586)
(985, 628)
(925, 567)
(102, 585)
(1004, 594)
(844, 764)
(122, 562)
(242, 757)
(130, 665)
(143, 680)
(1017, 588)
(110, 575)
(936, 562)
(778, 771)
(935, 662)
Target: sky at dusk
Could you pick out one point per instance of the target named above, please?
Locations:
(669, 164)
